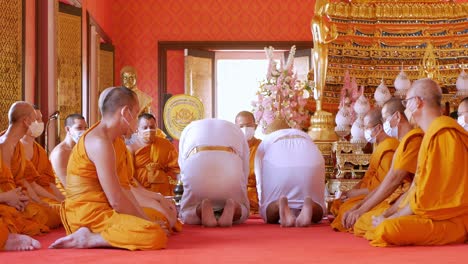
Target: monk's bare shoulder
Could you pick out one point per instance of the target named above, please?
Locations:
(97, 143)
(61, 150)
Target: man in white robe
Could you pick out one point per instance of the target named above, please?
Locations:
(290, 172)
(214, 163)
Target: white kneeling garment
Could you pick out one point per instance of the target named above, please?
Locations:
(214, 161)
(289, 163)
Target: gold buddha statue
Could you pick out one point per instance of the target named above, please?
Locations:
(128, 78)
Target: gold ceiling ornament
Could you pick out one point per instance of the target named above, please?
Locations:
(376, 37)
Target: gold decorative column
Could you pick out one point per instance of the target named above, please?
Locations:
(11, 56)
(322, 122)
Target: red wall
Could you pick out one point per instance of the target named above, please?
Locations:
(101, 11)
(139, 25)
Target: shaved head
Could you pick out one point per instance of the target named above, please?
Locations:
(114, 98)
(246, 114)
(392, 106)
(373, 118)
(70, 120)
(464, 104)
(19, 110)
(428, 90)
(146, 116)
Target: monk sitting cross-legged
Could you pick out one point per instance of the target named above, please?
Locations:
(155, 158)
(13, 224)
(399, 177)
(37, 156)
(17, 168)
(97, 211)
(379, 166)
(434, 211)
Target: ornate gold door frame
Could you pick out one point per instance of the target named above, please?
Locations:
(11, 56)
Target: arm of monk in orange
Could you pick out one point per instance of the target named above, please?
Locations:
(101, 152)
(385, 189)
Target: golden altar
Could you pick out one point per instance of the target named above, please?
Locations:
(374, 41)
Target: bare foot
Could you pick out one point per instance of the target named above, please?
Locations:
(226, 218)
(82, 238)
(305, 217)
(17, 242)
(207, 216)
(287, 219)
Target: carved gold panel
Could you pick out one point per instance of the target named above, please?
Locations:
(69, 68)
(105, 70)
(11, 56)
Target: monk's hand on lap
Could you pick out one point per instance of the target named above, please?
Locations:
(15, 198)
(377, 220)
(353, 216)
(163, 226)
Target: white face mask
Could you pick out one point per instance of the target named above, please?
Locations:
(409, 113)
(76, 136)
(249, 132)
(36, 128)
(461, 121)
(389, 130)
(368, 136)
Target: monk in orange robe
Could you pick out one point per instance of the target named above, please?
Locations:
(155, 205)
(379, 165)
(75, 126)
(155, 158)
(38, 163)
(434, 211)
(12, 223)
(399, 177)
(97, 211)
(246, 121)
(22, 118)
(15, 242)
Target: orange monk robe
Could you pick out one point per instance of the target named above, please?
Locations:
(156, 166)
(3, 234)
(379, 165)
(59, 185)
(18, 224)
(86, 204)
(438, 196)
(19, 171)
(127, 180)
(160, 133)
(252, 182)
(406, 157)
(46, 174)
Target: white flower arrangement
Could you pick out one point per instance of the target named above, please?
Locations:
(280, 95)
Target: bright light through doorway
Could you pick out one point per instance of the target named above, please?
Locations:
(238, 76)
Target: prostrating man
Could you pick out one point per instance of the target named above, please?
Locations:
(37, 156)
(97, 211)
(214, 160)
(17, 170)
(290, 173)
(435, 208)
(399, 177)
(155, 158)
(75, 126)
(463, 113)
(246, 121)
(379, 165)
